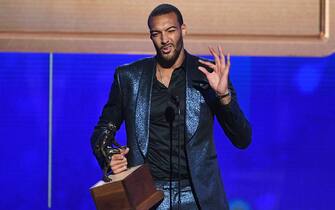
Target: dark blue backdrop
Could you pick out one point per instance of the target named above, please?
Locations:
(290, 103)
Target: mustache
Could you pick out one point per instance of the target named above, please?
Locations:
(167, 45)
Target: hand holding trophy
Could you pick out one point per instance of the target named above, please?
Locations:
(113, 152)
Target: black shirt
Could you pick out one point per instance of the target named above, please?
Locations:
(162, 99)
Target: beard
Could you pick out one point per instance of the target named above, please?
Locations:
(167, 60)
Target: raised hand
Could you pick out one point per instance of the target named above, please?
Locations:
(218, 78)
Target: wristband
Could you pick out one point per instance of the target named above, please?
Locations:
(224, 95)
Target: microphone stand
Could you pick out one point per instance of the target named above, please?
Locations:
(177, 103)
(170, 188)
(170, 114)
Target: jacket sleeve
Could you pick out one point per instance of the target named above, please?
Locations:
(112, 113)
(233, 121)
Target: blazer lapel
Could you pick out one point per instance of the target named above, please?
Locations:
(194, 80)
(143, 103)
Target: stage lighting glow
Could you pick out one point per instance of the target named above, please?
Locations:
(239, 204)
(308, 78)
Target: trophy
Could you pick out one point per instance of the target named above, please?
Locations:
(108, 146)
(129, 190)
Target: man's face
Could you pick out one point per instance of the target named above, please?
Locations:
(167, 36)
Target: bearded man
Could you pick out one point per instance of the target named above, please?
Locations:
(178, 92)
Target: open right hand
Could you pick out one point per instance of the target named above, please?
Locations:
(119, 161)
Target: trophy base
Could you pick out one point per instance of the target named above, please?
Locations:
(133, 189)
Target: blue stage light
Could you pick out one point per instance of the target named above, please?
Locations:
(239, 204)
(308, 78)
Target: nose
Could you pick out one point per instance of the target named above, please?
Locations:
(164, 38)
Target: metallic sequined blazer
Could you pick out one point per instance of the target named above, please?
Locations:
(129, 102)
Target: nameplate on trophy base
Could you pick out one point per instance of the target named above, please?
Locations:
(132, 189)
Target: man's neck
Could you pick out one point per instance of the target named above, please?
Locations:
(164, 74)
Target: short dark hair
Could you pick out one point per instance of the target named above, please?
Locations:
(163, 9)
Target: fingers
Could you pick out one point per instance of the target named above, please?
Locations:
(208, 64)
(221, 55)
(203, 70)
(228, 63)
(220, 58)
(228, 59)
(215, 55)
(118, 170)
(222, 62)
(119, 161)
(124, 151)
(118, 157)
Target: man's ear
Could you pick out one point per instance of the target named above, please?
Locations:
(183, 29)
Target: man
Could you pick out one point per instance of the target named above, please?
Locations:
(174, 89)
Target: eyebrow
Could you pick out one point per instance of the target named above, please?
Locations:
(151, 31)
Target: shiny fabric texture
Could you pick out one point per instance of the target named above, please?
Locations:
(143, 105)
(129, 101)
(186, 196)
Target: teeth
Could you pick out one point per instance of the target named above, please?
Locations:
(166, 48)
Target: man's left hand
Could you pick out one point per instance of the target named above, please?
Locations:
(218, 78)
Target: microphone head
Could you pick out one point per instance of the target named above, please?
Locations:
(175, 99)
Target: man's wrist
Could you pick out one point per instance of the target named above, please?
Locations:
(221, 96)
(224, 98)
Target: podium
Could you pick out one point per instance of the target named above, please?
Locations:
(133, 189)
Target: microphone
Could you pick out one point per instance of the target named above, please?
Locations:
(175, 100)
